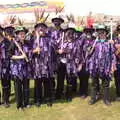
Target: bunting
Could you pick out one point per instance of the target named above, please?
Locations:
(49, 6)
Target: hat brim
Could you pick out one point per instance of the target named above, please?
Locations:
(101, 29)
(9, 30)
(24, 30)
(70, 29)
(38, 25)
(60, 20)
(89, 30)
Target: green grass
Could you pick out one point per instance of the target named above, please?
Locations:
(78, 109)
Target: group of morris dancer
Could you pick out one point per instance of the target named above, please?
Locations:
(51, 55)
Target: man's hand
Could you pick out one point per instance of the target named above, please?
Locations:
(113, 69)
(60, 51)
(80, 67)
(37, 50)
(111, 41)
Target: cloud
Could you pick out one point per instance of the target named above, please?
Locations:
(82, 7)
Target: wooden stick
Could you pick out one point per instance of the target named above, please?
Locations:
(20, 49)
(111, 29)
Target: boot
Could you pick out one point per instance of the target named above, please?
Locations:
(6, 104)
(106, 97)
(4, 95)
(26, 98)
(117, 98)
(49, 102)
(38, 104)
(69, 93)
(48, 92)
(93, 97)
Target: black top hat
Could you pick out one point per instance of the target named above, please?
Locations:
(89, 30)
(70, 29)
(102, 28)
(78, 32)
(118, 28)
(21, 29)
(42, 25)
(9, 30)
(59, 20)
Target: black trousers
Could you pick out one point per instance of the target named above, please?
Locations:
(53, 83)
(98, 86)
(117, 80)
(105, 84)
(6, 87)
(83, 77)
(70, 78)
(74, 84)
(61, 72)
(43, 88)
(21, 92)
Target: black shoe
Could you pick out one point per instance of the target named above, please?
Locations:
(69, 99)
(91, 102)
(83, 96)
(27, 106)
(107, 102)
(49, 104)
(20, 109)
(6, 105)
(106, 97)
(38, 104)
(97, 96)
(117, 98)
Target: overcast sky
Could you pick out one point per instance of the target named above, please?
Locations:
(82, 7)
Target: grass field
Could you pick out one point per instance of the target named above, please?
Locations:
(78, 109)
